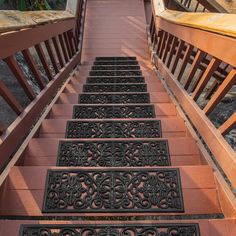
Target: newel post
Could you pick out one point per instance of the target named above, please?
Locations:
(72, 6)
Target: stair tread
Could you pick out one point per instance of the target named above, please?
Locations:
(199, 195)
(62, 110)
(72, 96)
(218, 227)
(124, 88)
(192, 177)
(57, 128)
(49, 146)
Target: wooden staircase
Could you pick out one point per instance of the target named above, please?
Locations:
(114, 157)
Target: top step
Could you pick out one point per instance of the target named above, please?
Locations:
(116, 59)
(116, 67)
(116, 63)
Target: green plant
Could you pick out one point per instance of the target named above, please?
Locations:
(24, 5)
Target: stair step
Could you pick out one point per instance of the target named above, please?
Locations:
(96, 88)
(180, 149)
(116, 63)
(211, 227)
(113, 111)
(150, 87)
(160, 98)
(197, 187)
(93, 98)
(115, 73)
(116, 190)
(115, 59)
(110, 153)
(115, 68)
(114, 129)
(115, 79)
(116, 229)
(171, 127)
(72, 152)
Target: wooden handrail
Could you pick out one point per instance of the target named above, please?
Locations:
(188, 58)
(58, 37)
(195, 5)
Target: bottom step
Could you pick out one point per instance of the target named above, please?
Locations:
(221, 227)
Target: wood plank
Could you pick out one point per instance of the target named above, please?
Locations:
(56, 128)
(48, 147)
(20, 178)
(218, 227)
(184, 160)
(65, 110)
(29, 203)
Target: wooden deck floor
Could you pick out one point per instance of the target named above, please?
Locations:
(116, 28)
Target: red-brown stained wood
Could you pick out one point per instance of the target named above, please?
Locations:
(62, 110)
(43, 60)
(115, 29)
(49, 147)
(29, 203)
(52, 55)
(29, 59)
(10, 98)
(17, 71)
(55, 128)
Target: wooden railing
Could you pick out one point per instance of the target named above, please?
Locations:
(195, 5)
(199, 67)
(58, 46)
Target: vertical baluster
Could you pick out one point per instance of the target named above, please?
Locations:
(159, 42)
(10, 99)
(20, 76)
(77, 34)
(58, 52)
(228, 124)
(212, 89)
(43, 61)
(51, 55)
(197, 5)
(29, 59)
(196, 62)
(185, 61)
(171, 54)
(178, 55)
(67, 44)
(70, 38)
(211, 68)
(152, 26)
(167, 48)
(185, 3)
(63, 48)
(2, 128)
(164, 42)
(189, 2)
(227, 84)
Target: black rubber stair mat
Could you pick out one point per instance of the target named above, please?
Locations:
(115, 79)
(134, 229)
(115, 59)
(116, 98)
(115, 73)
(116, 67)
(96, 88)
(116, 63)
(113, 111)
(113, 190)
(114, 129)
(142, 153)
